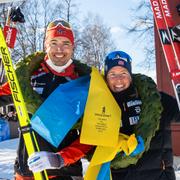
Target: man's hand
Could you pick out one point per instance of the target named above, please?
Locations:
(42, 160)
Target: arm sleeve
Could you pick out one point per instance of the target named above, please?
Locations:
(5, 89)
(5, 95)
(170, 106)
(74, 152)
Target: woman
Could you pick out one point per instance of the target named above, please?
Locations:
(145, 112)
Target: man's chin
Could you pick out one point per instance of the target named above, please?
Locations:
(59, 63)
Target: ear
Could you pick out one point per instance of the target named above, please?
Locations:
(73, 47)
(45, 46)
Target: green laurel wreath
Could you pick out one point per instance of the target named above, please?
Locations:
(151, 106)
(24, 71)
(149, 117)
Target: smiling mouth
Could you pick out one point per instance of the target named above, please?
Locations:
(119, 87)
(59, 55)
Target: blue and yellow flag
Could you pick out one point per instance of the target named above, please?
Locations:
(102, 116)
(103, 155)
(61, 110)
(100, 127)
(101, 121)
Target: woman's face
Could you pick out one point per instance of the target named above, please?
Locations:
(118, 79)
(59, 50)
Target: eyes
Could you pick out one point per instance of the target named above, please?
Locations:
(64, 44)
(113, 76)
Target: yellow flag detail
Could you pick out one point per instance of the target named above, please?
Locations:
(102, 116)
(131, 144)
(104, 154)
(100, 127)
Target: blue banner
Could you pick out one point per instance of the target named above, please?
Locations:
(104, 173)
(61, 110)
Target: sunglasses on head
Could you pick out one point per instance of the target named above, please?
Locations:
(58, 22)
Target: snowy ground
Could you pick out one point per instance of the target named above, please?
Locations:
(8, 154)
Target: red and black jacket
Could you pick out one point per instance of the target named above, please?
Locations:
(45, 81)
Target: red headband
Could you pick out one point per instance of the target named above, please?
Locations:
(60, 31)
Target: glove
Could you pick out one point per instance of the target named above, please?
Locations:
(42, 160)
(140, 147)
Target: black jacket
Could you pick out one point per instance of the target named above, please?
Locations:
(130, 104)
(157, 162)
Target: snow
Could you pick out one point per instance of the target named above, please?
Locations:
(8, 154)
(177, 167)
(7, 157)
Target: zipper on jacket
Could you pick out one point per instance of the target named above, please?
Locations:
(163, 165)
(53, 78)
(124, 107)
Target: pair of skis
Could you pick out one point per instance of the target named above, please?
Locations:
(24, 120)
(171, 47)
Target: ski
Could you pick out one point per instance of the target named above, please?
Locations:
(28, 134)
(24, 120)
(170, 46)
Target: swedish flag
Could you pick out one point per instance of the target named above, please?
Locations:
(61, 110)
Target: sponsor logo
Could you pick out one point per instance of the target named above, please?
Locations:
(121, 63)
(133, 120)
(10, 74)
(134, 103)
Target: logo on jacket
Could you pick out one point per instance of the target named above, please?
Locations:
(78, 108)
(137, 109)
(60, 31)
(133, 120)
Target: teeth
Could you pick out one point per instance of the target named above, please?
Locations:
(59, 56)
(119, 86)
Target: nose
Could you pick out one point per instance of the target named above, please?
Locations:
(60, 48)
(119, 77)
(119, 80)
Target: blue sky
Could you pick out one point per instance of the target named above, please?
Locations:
(117, 14)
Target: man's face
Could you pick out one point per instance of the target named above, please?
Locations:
(118, 79)
(59, 50)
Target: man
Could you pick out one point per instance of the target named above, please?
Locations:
(57, 68)
(145, 112)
